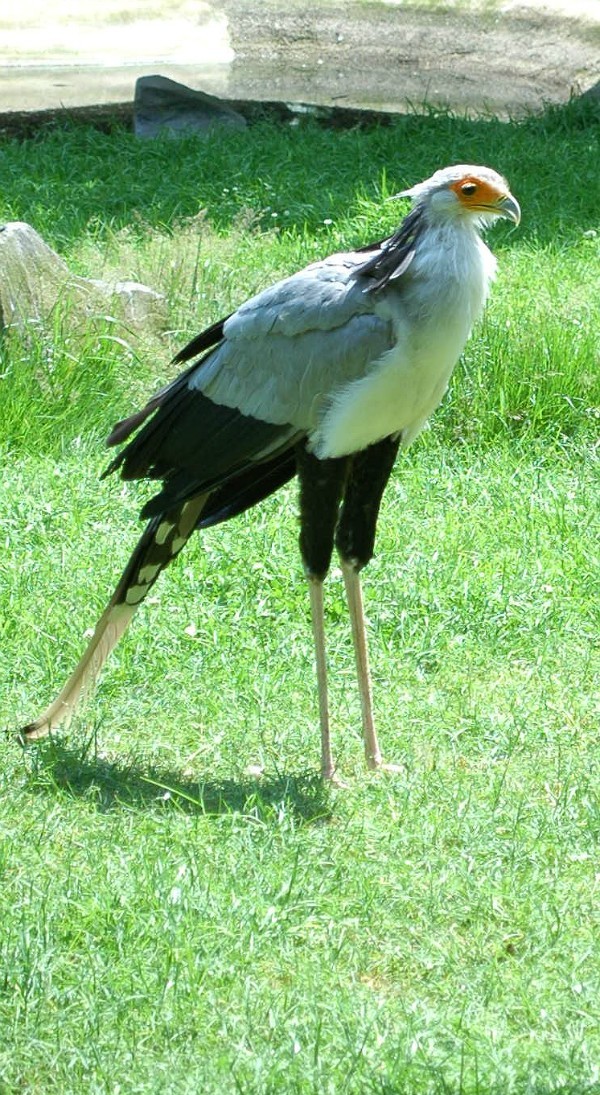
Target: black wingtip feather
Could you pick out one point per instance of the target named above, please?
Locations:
(202, 342)
(123, 429)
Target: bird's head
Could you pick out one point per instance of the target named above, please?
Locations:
(478, 194)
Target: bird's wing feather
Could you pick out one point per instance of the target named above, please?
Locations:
(195, 445)
(200, 344)
(277, 362)
(290, 347)
(322, 296)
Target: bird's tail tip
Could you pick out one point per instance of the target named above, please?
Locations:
(108, 631)
(159, 544)
(57, 714)
(33, 731)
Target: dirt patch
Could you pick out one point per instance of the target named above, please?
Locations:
(391, 56)
(383, 56)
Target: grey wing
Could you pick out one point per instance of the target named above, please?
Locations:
(288, 349)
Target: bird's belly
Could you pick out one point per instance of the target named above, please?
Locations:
(396, 397)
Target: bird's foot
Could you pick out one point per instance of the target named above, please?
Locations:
(376, 764)
(330, 776)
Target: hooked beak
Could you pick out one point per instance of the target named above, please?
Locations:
(507, 206)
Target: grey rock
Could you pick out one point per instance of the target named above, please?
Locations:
(162, 104)
(592, 93)
(34, 280)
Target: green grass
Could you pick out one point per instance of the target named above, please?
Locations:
(171, 922)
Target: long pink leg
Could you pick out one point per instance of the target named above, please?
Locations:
(315, 587)
(363, 672)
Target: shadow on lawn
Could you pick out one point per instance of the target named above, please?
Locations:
(137, 785)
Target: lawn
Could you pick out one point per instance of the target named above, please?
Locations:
(184, 907)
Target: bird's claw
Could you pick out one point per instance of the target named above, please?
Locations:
(389, 769)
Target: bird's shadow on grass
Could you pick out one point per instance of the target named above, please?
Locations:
(55, 768)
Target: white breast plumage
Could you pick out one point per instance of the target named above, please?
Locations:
(433, 314)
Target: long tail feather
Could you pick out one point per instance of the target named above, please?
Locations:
(109, 629)
(160, 542)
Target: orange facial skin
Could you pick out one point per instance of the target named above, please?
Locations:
(477, 194)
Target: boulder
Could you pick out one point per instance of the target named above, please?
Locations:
(162, 104)
(34, 280)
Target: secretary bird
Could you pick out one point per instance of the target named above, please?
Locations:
(325, 374)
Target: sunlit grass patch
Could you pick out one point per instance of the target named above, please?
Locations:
(184, 906)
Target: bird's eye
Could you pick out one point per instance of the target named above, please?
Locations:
(469, 187)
